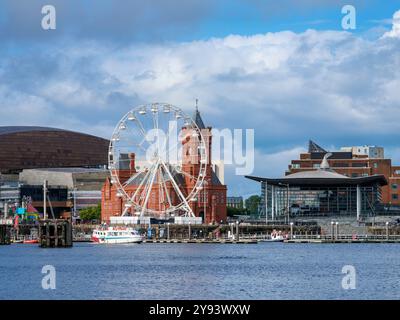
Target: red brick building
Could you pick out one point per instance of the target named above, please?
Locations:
(354, 162)
(210, 202)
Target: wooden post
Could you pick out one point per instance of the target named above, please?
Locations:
(47, 235)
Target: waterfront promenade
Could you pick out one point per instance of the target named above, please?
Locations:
(321, 230)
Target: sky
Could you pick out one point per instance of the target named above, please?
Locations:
(286, 69)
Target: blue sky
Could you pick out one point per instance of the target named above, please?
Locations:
(283, 68)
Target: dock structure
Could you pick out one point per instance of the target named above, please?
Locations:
(346, 239)
(5, 234)
(56, 233)
(215, 241)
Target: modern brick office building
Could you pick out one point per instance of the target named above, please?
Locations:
(354, 162)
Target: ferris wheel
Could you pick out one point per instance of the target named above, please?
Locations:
(157, 160)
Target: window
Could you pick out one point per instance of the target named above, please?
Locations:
(375, 165)
(394, 186)
(354, 175)
(340, 165)
(395, 196)
(396, 171)
(316, 165)
(295, 165)
(359, 165)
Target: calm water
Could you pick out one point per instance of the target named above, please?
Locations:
(206, 271)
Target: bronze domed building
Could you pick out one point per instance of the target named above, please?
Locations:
(25, 147)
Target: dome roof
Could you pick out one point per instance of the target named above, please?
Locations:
(27, 147)
(17, 129)
(316, 174)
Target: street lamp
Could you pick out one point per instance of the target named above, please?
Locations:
(168, 230)
(232, 234)
(332, 230)
(387, 230)
(291, 230)
(337, 230)
(237, 230)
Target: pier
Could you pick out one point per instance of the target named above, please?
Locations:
(55, 233)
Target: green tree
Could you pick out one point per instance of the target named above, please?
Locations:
(252, 204)
(236, 211)
(91, 213)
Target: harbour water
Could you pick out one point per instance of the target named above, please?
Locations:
(201, 271)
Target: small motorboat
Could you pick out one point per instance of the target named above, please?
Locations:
(116, 235)
(32, 241)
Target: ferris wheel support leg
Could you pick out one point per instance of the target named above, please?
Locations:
(176, 187)
(124, 212)
(149, 189)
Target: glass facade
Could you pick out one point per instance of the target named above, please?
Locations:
(317, 200)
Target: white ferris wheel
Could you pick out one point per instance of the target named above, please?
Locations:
(153, 137)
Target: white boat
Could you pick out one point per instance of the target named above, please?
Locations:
(276, 237)
(116, 235)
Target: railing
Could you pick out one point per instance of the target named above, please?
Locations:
(20, 238)
(328, 237)
(349, 237)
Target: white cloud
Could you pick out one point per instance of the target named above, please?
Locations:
(395, 32)
(289, 87)
(270, 164)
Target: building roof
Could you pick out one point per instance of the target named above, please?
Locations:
(316, 174)
(313, 147)
(18, 129)
(198, 120)
(69, 170)
(319, 179)
(179, 178)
